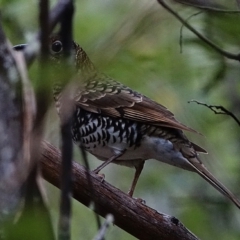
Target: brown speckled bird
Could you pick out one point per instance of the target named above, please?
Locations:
(119, 125)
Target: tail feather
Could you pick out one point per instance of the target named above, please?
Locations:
(204, 173)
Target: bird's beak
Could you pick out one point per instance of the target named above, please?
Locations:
(19, 47)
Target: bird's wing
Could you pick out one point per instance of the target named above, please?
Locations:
(106, 96)
(101, 94)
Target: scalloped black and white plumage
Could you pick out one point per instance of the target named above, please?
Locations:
(119, 125)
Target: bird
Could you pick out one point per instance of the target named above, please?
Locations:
(119, 125)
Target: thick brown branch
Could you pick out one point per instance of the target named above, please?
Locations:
(129, 214)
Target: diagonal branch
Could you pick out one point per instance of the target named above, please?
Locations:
(129, 214)
(102, 230)
(198, 34)
(207, 6)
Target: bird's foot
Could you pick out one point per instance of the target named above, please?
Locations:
(140, 201)
(101, 176)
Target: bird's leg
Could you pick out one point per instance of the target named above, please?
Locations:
(138, 171)
(105, 163)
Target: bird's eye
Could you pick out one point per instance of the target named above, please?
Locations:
(56, 47)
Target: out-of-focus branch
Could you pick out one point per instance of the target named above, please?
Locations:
(43, 88)
(181, 29)
(19, 191)
(54, 18)
(198, 34)
(102, 230)
(64, 226)
(207, 6)
(12, 172)
(129, 214)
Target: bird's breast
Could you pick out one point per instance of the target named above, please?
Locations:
(103, 135)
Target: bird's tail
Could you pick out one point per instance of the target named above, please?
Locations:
(203, 172)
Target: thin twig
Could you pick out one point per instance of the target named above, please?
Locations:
(198, 34)
(43, 90)
(181, 29)
(238, 3)
(102, 231)
(218, 110)
(55, 16)
(208, 8)
(44, 28)
(34, 212)
(86, 163)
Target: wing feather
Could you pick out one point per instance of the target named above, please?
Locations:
(112, 98)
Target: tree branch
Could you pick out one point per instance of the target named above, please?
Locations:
(55, 16)
(20, 192)
(207, 6)
(129, 214)
(102, 230)
(218, 110)
(198, 34)
(64, 225)
(12, 172)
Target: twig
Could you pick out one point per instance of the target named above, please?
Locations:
(34, 213)
(57, 12)
(208, 8)
(238, 3)
(43, 89)
(55, 16)
(44, 28)
(129, 214)
(66, 182)
(181, 29)
(102, 231)
(216, 109)
(198, 34)
(85, 160)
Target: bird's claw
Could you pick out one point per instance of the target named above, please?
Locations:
(140, 200)
(101, 176)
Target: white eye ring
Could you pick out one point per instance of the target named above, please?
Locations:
(56, 47)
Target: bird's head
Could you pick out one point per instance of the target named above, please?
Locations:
(59, 77)
(81, 60)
